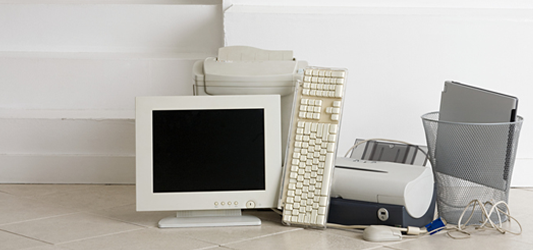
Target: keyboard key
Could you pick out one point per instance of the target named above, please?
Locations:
(338, 74)
(339, 91)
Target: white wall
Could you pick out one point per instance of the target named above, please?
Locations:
(69, 71)
(399, 57)
(69, 75)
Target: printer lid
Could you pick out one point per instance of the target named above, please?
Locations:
(241, 63)
(246, 53)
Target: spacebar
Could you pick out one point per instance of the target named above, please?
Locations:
(326, 178)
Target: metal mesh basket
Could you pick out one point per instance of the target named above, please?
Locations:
(470, 161)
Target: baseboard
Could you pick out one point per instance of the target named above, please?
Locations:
(67, 169)
(522, 173)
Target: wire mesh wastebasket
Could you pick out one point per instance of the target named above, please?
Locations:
(470, 161)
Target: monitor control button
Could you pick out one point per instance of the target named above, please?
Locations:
(250, 204)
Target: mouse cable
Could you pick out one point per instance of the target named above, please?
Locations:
(409, 230)
(277, 211)
(387, 140)
(487, 221)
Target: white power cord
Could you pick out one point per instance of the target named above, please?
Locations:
(487, 222)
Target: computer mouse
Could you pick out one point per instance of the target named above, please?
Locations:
(382, 233)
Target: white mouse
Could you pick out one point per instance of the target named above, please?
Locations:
(382, 233)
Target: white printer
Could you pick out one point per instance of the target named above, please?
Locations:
(410, 186)
(241, 70)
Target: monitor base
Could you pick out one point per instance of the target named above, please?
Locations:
(218, 218)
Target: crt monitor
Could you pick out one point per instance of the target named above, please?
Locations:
(207, 157)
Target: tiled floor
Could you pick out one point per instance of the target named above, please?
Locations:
(46, 217)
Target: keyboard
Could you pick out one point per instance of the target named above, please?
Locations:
(312, 147)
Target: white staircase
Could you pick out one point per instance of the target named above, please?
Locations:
(69, 75)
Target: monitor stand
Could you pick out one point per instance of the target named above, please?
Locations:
(209, 218)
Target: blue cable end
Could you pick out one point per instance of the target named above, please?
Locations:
(435, 226)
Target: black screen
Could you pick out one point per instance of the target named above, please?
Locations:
(208, 150)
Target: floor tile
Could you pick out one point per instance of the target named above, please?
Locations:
(527, 229)
(520, 201)
(264, 214)
(68, 227)
(38, 190)
(225, 235)
(17, 209)
(271, 223)
(358, 235)
(487, 239)
(48, 247)
(128, 213)
(84, 197)
(148, 238)
(72, 217)
(10, 241)
(383, 248)
(308, 239)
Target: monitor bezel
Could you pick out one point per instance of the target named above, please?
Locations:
(147, 200)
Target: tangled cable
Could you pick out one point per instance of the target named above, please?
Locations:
(487, 222)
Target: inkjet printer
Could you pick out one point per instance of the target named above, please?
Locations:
(381, 193)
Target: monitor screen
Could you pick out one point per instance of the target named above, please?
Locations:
(223, 145)
(207, 152)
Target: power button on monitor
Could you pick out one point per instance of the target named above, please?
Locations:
(250, 204)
